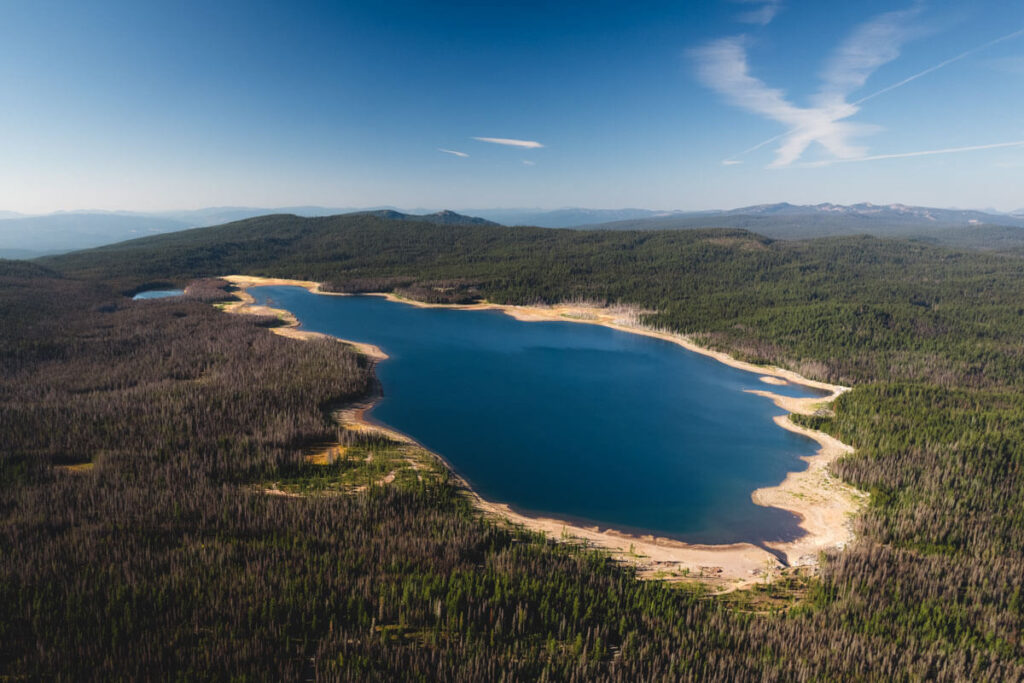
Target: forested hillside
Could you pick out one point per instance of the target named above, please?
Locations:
(844, 309)
(157, 551)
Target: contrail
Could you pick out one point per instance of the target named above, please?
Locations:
(734, 160)
(938, 66)
(888, 88)
(927, 152)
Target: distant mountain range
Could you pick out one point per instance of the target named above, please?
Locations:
(30, 236)
(950, 227)
(804, 221)
(24, 236)
(832, 217)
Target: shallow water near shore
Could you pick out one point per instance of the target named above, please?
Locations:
(572, 421)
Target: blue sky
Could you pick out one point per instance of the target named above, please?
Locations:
(161, 105)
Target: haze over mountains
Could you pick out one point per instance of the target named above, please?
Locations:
(960, 228)
(817, 217)
(24, 236)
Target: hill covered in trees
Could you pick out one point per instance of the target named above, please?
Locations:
(843, 309)
(56, 233)
(137, 540)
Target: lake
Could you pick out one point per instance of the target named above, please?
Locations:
(574, 421)
(158, 294)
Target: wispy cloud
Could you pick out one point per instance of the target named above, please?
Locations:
(872, 44)
(527, 162)
(512, 142)
(962, 55)
(761, 15)
(927, 152)
(722, 65)
(731, 162)
(452, 151)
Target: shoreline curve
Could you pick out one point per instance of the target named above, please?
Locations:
(824, 504)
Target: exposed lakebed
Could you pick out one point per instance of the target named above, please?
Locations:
(577, 422)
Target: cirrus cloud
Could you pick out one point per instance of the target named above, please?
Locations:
(722, 66)
(511, 142)
(762, 14)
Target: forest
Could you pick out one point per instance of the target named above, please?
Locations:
(848, 310)
(137, 539)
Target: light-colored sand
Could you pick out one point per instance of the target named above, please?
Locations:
(803, 406)
(290, 327)
(824, 505)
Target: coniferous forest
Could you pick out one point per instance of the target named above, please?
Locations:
(137, 540)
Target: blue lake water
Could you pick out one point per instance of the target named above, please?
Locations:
(159, 294)
(578, 422)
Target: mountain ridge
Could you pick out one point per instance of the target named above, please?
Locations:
(23, 236)
(960, 228)
(66, 231)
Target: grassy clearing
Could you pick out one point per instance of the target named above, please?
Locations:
(358, 467)
(790, 590)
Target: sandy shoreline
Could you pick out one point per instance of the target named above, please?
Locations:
(824, 504)
(290, 328)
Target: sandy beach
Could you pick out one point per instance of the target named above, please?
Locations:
(824, 504)
(290, 324)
